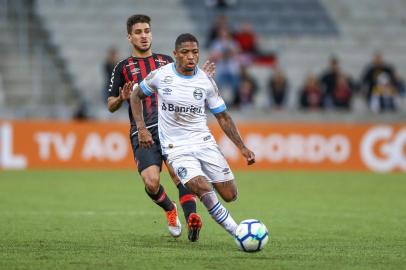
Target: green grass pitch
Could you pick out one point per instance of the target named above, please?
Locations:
(104, 220)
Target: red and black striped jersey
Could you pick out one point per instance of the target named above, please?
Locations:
(136, 69)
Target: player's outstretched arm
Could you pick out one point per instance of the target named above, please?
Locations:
(230, 129)
(144, 136)
(114, 103)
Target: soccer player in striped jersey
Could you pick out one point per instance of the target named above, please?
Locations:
(183, 132)
(128, 72)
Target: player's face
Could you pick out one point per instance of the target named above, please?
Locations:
(187, 56)
(140, 37)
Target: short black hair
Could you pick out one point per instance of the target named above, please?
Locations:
(137, 18)
(186, 37)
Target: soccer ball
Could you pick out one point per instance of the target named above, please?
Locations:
(251, 235)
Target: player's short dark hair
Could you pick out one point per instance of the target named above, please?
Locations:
(137, 18)
(186, 37)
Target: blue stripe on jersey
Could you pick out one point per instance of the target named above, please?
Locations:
(220, 109)
(145, 89)
(181, 75)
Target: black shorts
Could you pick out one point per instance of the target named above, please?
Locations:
(147, 157)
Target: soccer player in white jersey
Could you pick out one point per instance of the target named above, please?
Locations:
(183, 92)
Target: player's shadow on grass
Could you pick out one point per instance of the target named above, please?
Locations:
(216, 247)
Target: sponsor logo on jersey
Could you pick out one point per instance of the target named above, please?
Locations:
(175, 108)
(161, 62)
(133, 70)
(226, 171)
(198, 93)
(168, 79)
(182, 172)
(167, 91)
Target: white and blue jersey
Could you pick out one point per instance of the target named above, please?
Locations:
(182, 121)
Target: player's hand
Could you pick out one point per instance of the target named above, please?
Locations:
(209, 68)
(125, 92)
(248, 155)
(145, 138)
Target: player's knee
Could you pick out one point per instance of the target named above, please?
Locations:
(199, 186)
(151, 184)
(230, 196)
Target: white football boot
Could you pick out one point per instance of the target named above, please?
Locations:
(174, 225)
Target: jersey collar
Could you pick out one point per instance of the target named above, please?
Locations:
(181, 75)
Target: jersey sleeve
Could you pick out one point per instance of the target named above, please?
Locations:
(150, 84)
(214, 101)
(117, 80)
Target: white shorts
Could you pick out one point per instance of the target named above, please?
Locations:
(206, 161)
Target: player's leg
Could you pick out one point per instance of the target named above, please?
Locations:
(149, 162)
(201, 187)
(156, 192)
(190, 173)
(150, 177)
(186, 198)
(227, 190)
(215, 166)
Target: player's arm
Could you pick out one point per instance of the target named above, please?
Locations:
(144, 89)
(230, 129)
(218, 108)
(118, 92)
(144, 136)
(114, 103)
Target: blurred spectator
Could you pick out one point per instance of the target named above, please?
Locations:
(247, 90)
(82, 112)
(220, 24)
(373, 71)
(221, 4)
(224, 52)
(311, 96)
(247, 39)
(278, 89)
(109, 64)
(384, 95)
(250, 52)
(400, 83)
(342, 92)
(337, 88)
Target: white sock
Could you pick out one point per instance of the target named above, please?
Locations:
(218, 212)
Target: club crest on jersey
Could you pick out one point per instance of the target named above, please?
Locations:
(182, 172)
(168, 79)
(198, 93)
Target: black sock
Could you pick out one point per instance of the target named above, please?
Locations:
(187, 200)
(161, 199)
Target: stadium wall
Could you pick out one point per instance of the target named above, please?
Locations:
(105, 145)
